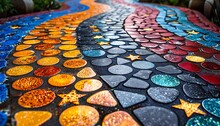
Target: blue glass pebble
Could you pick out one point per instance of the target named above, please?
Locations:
(3, 119)
(3, 93)
(212, 105)
(165, 80)
(94, 53)
(203, 121)
(2, 78)
(3, 64)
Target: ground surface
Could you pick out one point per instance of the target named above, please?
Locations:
(110, 63)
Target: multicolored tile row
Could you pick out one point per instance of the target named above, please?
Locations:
(113, 64)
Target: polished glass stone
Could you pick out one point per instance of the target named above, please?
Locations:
(3, 93)
(159, 41)
(210, 78)
(196, 59)
(193, 44)
(122, 61)
(3, 64)
(210, 65)
(202, 54)
(143, 65)
(112, 56)
(3, 119)
(143, 74)
(173, 58)
(120, 69)
(209, 50)
(189, 66)
(169, 69)
(116, 50)
(217, 56)
(155, 58)
(94, 53)
(113, 80)
(212, 105)
(190, 79)
(128, 46)
(165, 80)
(195, 91)
(117, 43)
(142, 52)
(102, 62)
(163, 95)
(190, 49)
(159, 50)
(106, 46)
(178, 52)
(136, 83)
(2, 78)
(167, 46)
(156, 116)
(128, 99)
(203, 121)
(149, 45)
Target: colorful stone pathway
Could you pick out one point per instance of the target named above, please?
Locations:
(110, 63)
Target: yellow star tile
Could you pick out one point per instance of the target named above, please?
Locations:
(193, 32)
(189, 108)
(15, 27)
(132, 57)
(165, 38)
(72, 97)
(97, 37)
(93, 26)
(103, 43)
(148, 29)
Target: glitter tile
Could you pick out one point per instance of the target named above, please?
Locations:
(155, 58)
(190, 79)
(50, 52)
(142, 52)
(4, 93)
(120, 69)
(27, 83)
(210, 78)
(61, 80)
(47, 71)
(88, 85)
(19, 70)
(43, 46)
(48, 61)
(169, 69)
(25, 60)
(165, 80)
(3, 119)
(143, 74)
(210, 65)
(143, 65)
(73, 54)
(116, 51)
(195, 91)
(113, 80)
(86, 72)
(71, 97)
(173, 58)
(23, 53)
(203, 121)
(94, 53)
(102, 62)
(121, 61)
(136, 83)
(75, 63)
(196, 59)
(212, 106)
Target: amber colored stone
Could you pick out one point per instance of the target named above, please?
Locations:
(32, 118)
(72, 54)
(36, 98)
(47, 71)
(67, 47)
(23, 53)
(75, 63)
(27, 83)
(25, 60)
(88, 85)
(43, 46)
(48, 61)
(52, 41)
(19, 70)
(61, 80)
(31, 42)
(22, 47)
(50, 52)
(86, 72)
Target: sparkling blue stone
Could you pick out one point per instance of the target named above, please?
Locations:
(4, 55)
(203, 121)
(3, 64)
(2, 77)
(165, 80)
(3, 93)
(3, 119)
(6, 48)
(10, 42)
(212, 105)
(94, 53)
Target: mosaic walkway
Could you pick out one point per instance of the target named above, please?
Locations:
(110, 63)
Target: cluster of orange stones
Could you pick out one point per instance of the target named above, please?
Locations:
(41, 48)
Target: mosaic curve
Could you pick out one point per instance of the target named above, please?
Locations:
(125, 54)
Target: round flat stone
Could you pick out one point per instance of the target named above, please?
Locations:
(94, 53)
(113, 80)
(178, 52)
(106, 46)
(195, 91)
(47, 71)
(120, 69)
(155, 58)
(117, 43)
(136, 83)
(128, 46)
(116, 50)
(19, 70)
(165, 80)
(210, 78)
(159, 50)
(102, 62)
(156, 116)
(163, 95)
(4, 93)
(143, 74)
(173, 58)
(90, 47)
(210, 65)
(61, 80)
(189, 49)
(149, 45)
(190, 79)
(203, 121)
(122, 61)
(112, 56)
(196, 59)
(189, 66)
(119, 118)
(142, 52)
(167, 46)
(86, 72)
(212, 106)
(169, 69)
(128, 99)
(88, 85)
(143, 65)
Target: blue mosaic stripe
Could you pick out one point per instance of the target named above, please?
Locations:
(9, 37)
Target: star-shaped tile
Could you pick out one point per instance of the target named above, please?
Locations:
(72, 97)
(132, 57)
(165, 38)
(103, 43)
(97, 37)
(148, 29)
(93, 26)
(193, 32)
(189, 108)
(15, 27)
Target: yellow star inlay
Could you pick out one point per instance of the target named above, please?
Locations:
(193, 32)
(15, 27)
(189, 108)
(72, 97)
(93, 26)
(165, 38)
(148, 29)
(97, 37)
(103, 43)
(132, 57)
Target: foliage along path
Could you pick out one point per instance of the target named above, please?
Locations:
(114, 64)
